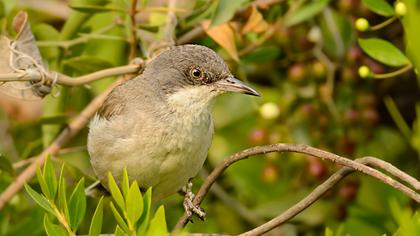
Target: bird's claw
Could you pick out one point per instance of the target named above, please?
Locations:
(189, 206)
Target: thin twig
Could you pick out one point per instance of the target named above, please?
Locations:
(317, 193)
(232, 203)
(378, 163)
(331, 68)
(71, 81)
(23, 163)
(82, 39)
(133, 31)
(298, 148)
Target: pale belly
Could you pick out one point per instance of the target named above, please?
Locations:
(162, 160)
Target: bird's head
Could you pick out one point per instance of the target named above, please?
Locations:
(194, 74)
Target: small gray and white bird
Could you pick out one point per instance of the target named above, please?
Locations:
(159, 124)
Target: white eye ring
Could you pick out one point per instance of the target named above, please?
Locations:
(196, 73)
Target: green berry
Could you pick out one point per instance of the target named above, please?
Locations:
(364, 72)
(362, 24)
(400, 8)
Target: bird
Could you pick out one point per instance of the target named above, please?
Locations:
(159, 125)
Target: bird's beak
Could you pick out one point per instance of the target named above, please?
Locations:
(230, 84)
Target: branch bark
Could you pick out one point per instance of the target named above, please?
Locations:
(304, 149)
(318, 192)
(71, 81)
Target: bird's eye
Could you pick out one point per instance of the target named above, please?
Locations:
(196, 73)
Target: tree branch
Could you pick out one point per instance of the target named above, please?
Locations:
(318, 192)
(70, 81)
(304, 149)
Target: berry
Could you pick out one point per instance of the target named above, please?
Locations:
(362, 24)
(296, 72)
(269, 110)
(400, 8)
(364, 72)
(258, 136)
(270, 173)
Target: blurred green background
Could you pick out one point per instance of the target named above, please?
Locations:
(304, 58)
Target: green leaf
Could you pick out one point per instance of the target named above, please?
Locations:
(225, 10)
(119, 232)
(411, 32)
(305, 12)
(125, 184)
(48, 33)
(57, 119)
(383, 51)
(77, 204)
(2, 9)
(62, 196)
(53, 229)
(39, 199)
(144, 219)
(96, 224)
(328, 232)
(115, 192)
(87, 64)
(134, 203)
(262, 54)
(158, 223)
(6, 165)
(43, 184)
(95, 9)
(50, 178)
(118, 217)
(337, 33)
(380, 7)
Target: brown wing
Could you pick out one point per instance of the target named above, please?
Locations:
(111, 107)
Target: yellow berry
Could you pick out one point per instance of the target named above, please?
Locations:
(364, 72)
(362, 24)
(269, 110)
(400, 8)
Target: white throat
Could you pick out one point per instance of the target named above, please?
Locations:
(193, 100)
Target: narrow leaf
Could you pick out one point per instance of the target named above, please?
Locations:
(62, 196)
(39, 199)
(145, 217)
(119, 231)
(95, 9)
(86, 64)
(50, 178)
(41, 180)
(305, 12)
(77, 204)
(223, 35)
(96, 224)
(125, 184)
(134, 203)
(225, 10)
(53, 229)
(380, 7)
(158, 223)
(118, 217)
(383, 51)
(115, 192)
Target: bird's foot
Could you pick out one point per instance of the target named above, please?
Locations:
(189, 206)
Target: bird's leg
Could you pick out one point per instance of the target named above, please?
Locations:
(188, 204)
